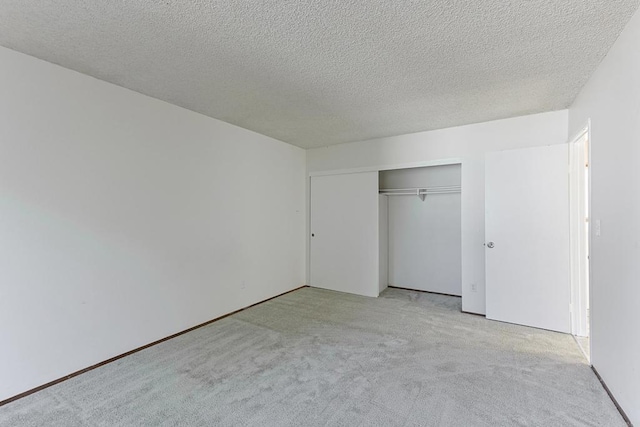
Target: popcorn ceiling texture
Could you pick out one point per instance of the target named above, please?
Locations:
(316, 73)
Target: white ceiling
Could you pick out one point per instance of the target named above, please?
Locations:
(316, 73)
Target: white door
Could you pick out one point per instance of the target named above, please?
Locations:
(527, 237)
(344, 233)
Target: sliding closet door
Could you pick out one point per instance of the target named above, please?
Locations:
(344, 233)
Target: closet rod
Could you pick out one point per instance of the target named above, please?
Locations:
(450, 188)
(420, 192)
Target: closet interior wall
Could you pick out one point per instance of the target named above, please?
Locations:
(423, 250)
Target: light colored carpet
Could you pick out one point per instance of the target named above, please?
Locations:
(316, 357)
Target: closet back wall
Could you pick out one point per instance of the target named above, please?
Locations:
(425, 250)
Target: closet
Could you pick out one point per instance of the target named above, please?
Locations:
(401, 228)
(421, 228)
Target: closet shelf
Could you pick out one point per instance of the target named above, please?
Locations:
(420, 192)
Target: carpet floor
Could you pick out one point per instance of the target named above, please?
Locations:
(321, 358)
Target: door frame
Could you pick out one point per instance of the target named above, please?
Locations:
(576, 309)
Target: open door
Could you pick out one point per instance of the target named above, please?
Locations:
(344, 233)
(527, 237)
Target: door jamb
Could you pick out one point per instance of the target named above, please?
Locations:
(585, 130)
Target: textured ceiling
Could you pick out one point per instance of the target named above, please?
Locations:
(317, 73)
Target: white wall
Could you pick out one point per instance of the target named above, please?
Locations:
(465, 144)
(611, 99)
(124, 219)
(425, 235)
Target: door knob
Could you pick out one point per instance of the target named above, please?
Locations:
(490, 245)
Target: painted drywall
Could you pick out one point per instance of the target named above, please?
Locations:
(124, 219)
(425, 250)
(466, 145)
(611, 100)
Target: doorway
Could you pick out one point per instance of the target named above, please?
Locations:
(423, 228)
(579, 191)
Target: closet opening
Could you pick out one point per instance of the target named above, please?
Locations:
(420, 229)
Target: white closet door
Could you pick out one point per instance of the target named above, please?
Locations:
(344, 233)
(527, 235)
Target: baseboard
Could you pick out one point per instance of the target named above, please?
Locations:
(120, 356)
(426, 292)
(475, 314)
(615, 402)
